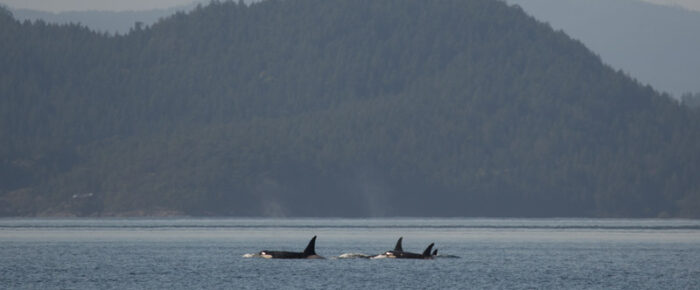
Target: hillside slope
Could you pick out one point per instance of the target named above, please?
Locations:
(335, 108)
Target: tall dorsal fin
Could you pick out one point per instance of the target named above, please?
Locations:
(311, 247)
(398, 246)
(426, 253)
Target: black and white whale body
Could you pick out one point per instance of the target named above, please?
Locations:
(399, 253)
(308, 253)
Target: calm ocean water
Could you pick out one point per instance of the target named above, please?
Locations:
(208, 254)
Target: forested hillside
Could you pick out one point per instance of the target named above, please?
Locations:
(335, 108)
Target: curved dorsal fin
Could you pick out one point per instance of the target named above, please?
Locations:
(435, 252)
(398, 246)
(426, 253)
(311, 247)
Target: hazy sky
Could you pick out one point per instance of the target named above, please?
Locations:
(119, 5)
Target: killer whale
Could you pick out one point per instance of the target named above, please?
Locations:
(308, 253)
(399, 247)
(399, 253)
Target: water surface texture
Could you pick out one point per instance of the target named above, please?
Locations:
(208, 254)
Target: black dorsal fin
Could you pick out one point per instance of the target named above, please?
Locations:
(398, 247)
(311, 248)
(426, 253)
(435, 252)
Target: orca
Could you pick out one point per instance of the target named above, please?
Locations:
(399, 253)
(308, 253)
(435, 255)
(398, 247)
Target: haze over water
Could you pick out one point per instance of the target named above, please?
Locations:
(208, 253)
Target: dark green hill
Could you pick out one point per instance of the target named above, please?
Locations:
(335, 108)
